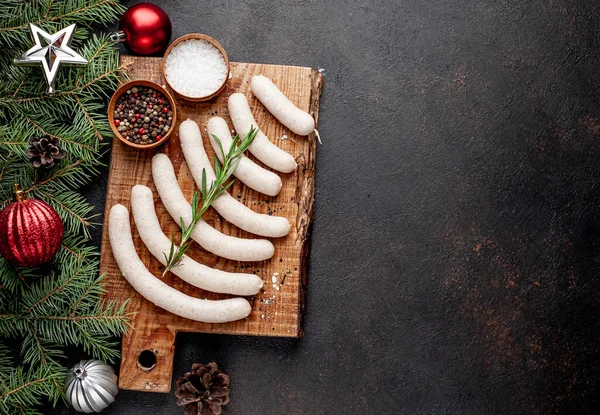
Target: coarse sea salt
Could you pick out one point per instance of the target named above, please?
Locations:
(195, 68)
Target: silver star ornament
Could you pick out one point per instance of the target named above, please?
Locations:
(51, 51)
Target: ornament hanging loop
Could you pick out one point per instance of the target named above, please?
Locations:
(79, 372)
(18, 193)
(118, 37)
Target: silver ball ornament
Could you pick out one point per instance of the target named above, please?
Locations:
(91, 386)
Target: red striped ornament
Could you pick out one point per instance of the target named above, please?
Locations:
(30, 231)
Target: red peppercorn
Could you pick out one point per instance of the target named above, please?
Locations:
(142, 131)
(117, 122)
(135, 95)
(158, 137)
(153, 95)
(161, 101)
(150, 106)
(165, 110)
(133, 119)
(138, 115)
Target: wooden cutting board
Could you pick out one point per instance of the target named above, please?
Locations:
(278, 309)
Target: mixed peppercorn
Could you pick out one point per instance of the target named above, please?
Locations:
(143, 115)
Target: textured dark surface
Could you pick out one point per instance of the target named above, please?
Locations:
(455, 255)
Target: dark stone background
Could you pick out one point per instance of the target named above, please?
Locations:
(455, 256)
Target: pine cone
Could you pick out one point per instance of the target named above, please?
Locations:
(43, 151)
(203, 391)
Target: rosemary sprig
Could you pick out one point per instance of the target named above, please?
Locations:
(223, 172)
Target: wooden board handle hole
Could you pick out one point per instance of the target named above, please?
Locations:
(147, 360)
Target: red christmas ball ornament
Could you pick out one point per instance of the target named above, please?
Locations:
(145, 28)
(30, 231)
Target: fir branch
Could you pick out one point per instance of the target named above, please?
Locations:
(54, 291)
(73, 210)
(19, 388)
(65, 93)
(61, 172)
(6, 360)
(59, 304)
(11, 278)
(94, 287)
(37, 351)
(89, 119)
(62, 138)
(15, 20)
(23, 390)
(5, 161)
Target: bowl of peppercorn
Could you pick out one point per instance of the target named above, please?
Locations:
(142, 114)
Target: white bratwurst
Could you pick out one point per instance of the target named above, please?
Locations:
(262, 148)
(231, 209)
(281, 107)
(249, 173)
(156, 291)
(205, 235)
(192, 272)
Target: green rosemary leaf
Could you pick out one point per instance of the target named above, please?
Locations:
(217, 166)
(227, 186)
(220, 146)
(203, 189)
(223, 171)
(233, 147)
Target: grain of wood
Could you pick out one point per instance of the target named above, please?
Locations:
(278, 309)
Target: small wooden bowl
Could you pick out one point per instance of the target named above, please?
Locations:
(122, 90)
(197, 36)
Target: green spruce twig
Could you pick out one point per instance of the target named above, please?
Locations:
(223, 172)
(59, 305)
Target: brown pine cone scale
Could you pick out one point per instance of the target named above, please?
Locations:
(44, 151)
(203, 391)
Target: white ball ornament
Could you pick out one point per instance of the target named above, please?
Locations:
(91, 386)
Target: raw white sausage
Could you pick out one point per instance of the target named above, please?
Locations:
(262, 148)
(249, 173)
(156, 291)
(281, 107)
(192, 272)
(205, 235)
(232, 210)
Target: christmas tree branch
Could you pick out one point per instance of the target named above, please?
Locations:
(59, 304)
(67, 93)
(54, 292)
(59, 173)
(24, 390)
(21, 387)
(18, 88)
(90, 120)
(5, 162)
(72, 252)
(73, 210)
(6, 361)
(15, 21)
(38, 351)
(62, 139)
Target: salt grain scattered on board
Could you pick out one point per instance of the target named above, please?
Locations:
(195, 68)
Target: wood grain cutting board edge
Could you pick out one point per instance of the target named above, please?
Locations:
(155, 329)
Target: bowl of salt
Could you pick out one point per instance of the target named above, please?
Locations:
(196, 67)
